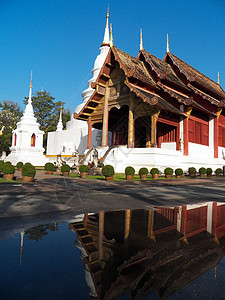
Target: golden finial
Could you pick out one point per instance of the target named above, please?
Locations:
(141, 40)
(218, 78)
(107, 18)
(167, 44)
(31, 80)
(111, 36)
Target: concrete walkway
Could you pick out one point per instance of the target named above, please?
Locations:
(74, 195)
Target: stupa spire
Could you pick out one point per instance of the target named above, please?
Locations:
(106, 41)
(141, 40)
(167, 44)
(60, 124)
(30, 92)
(218, 80)
(111, 36)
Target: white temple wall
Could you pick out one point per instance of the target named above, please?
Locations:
(169, 146)
(66, 141)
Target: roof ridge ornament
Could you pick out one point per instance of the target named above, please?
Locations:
(218, 80)
(111, 35)
(141, 40)
(167, 44)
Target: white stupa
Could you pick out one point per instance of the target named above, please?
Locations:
(75, 136)
(27, 139)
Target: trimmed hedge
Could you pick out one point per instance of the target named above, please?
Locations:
(83, 169)
(49, 167)
(179, 172)
(168, 171)
(143, 171)
(129, 171)
(192, 171)
(65, 168)
(28, 170)
(218, 171)
(209, 171)
(108, 171)
(154, 171)
(202, 171)
(8, 168)
(1, 165)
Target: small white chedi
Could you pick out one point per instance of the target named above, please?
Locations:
(27, 139)
(66, 142)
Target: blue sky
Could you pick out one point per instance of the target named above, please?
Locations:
(59, 40)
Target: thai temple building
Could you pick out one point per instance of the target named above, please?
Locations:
(27, 139)
(158, 112)
(65, 142)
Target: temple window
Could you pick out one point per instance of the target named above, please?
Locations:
(198, 128)
(33, 138)
(15, 138)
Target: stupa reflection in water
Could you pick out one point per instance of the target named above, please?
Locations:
(144, 251)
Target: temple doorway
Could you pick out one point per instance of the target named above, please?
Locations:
(142, 131)
(118, 125)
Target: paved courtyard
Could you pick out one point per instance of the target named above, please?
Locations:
(74, 195)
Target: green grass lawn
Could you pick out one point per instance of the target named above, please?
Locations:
(5, 180)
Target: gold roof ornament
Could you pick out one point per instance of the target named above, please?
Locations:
(111, 35)
(141, 40)
(107, 18)
(167, 44)
(218, 80)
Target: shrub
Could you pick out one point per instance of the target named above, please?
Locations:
(192, 171)
(108, 171)
(1, 165)
(179, 172)
(218, 171)
(28, 170)
(129, 171)
(19, 165)
(168, 171)
(143, 171)
(202, 171)
(49, 167)
(83, 169)
(209, 171)
(154, 171)
(65, 168)
(8, 168)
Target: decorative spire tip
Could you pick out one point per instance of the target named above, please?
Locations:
(218, 81)
(167, 44)
(141, 40)
(31, 80)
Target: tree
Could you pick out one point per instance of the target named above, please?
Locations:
(10, 114)
(47, 112)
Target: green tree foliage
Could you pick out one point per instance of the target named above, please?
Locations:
(10, 114)
(47, 112)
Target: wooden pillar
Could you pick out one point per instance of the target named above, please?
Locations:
(130, 143)
(89, 133)
(216, 137)
(127, 223)
(148, 135)
(178, 137)
(105, 119)
(101, 233)
(185, 124)
(154, 119)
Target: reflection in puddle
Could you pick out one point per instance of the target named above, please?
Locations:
(132, 254)
(142, 252)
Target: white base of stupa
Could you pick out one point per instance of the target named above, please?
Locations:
(36, 158)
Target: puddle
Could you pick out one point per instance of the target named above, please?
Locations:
(173, 253)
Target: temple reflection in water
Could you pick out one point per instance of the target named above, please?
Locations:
(139, 252)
